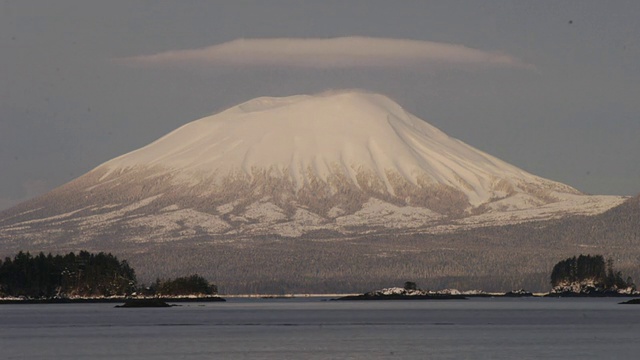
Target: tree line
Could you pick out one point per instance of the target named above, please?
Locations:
(180, 286)
(82, 274)
(93, 275)
(85, 275)
(588, 268)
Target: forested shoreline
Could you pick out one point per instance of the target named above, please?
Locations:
(94, 276)
(87, 275)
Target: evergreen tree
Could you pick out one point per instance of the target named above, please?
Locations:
(410, 285)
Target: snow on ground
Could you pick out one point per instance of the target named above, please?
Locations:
(571, 205)
(26, 223)
(334, 212)
(173, 207)
(420, 292)
(305, 217)
(397, 291)
(180, 219)
(267, 218)
(226, 208)
(112, 216)
(23, 213)
(376, 212)
(264, 212)
(514, 202)
(303, 221)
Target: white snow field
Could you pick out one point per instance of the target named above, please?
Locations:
(307, 137)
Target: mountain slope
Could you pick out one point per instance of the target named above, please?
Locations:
(338, 163)
(345, 181)
(364, 139)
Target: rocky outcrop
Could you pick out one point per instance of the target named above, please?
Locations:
(397, 293)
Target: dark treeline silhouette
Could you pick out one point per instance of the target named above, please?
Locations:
(187, 285)
(82, 274)
(588, 268)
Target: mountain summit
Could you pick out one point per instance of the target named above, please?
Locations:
(349, 140)
(342, 162)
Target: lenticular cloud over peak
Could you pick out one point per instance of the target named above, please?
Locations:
(341, 52)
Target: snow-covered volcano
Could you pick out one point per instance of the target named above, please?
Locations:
(367, 140)
(339, 162)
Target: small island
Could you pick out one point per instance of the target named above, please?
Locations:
(519, 293)
(409, 292)
(144, 303)
(589, 276)
(631, 302)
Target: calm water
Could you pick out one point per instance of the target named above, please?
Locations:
(314, 329)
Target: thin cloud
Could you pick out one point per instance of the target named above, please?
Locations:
(343, 52)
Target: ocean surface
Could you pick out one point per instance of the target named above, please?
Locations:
(310, 328)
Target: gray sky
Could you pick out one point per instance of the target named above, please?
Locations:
(563, 101)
